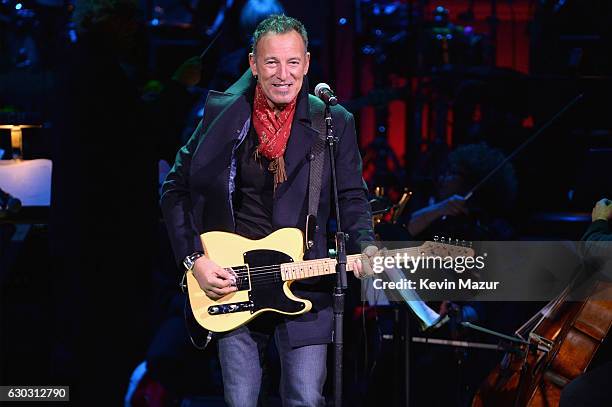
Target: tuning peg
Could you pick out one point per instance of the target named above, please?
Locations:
(436, 238)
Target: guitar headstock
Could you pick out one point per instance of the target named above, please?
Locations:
(446, 247)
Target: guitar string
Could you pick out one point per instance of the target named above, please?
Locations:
(265, 281)
(294, 264)
(266, 275)
(273, 274)
(266, 269)
(263, 276)
(258, 280)
(276, 271)
(276, 276)
(259, 277)
(263, 272)
(270, 267)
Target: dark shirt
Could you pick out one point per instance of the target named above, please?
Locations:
(253, 198)
(253, 202)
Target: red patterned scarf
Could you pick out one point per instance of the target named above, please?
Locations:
(273, 132)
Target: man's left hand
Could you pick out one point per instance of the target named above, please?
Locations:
(602, 210)
(362, 268)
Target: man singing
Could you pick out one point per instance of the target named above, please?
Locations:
(246, 170)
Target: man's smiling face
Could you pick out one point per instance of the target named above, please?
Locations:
(280, 63)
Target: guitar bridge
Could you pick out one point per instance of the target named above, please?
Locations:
(230, 308)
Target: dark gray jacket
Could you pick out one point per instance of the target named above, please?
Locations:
(197, 194)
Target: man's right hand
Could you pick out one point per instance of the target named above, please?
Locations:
(215, 281)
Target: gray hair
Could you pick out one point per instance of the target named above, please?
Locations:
(279, 24)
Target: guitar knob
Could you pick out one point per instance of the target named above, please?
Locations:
(436, 238)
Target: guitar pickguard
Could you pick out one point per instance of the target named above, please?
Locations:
(259, 284)
(266, 283)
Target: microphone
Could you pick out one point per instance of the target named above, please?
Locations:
(324, 92)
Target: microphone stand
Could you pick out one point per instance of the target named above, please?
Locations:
(340, 287)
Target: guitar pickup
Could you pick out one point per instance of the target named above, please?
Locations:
(230, 308)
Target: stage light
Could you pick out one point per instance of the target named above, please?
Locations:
(17, 137)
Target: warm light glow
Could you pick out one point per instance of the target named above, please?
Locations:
(16, 142)
(17, 138)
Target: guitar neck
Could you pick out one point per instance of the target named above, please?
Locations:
(313, 268)
(321, 267)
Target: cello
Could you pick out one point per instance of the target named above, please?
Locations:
(562, 340)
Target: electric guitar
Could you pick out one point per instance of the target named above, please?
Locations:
(265, 270)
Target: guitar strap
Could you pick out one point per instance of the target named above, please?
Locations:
(317, 116)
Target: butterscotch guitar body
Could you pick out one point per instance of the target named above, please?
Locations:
(259, 283)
